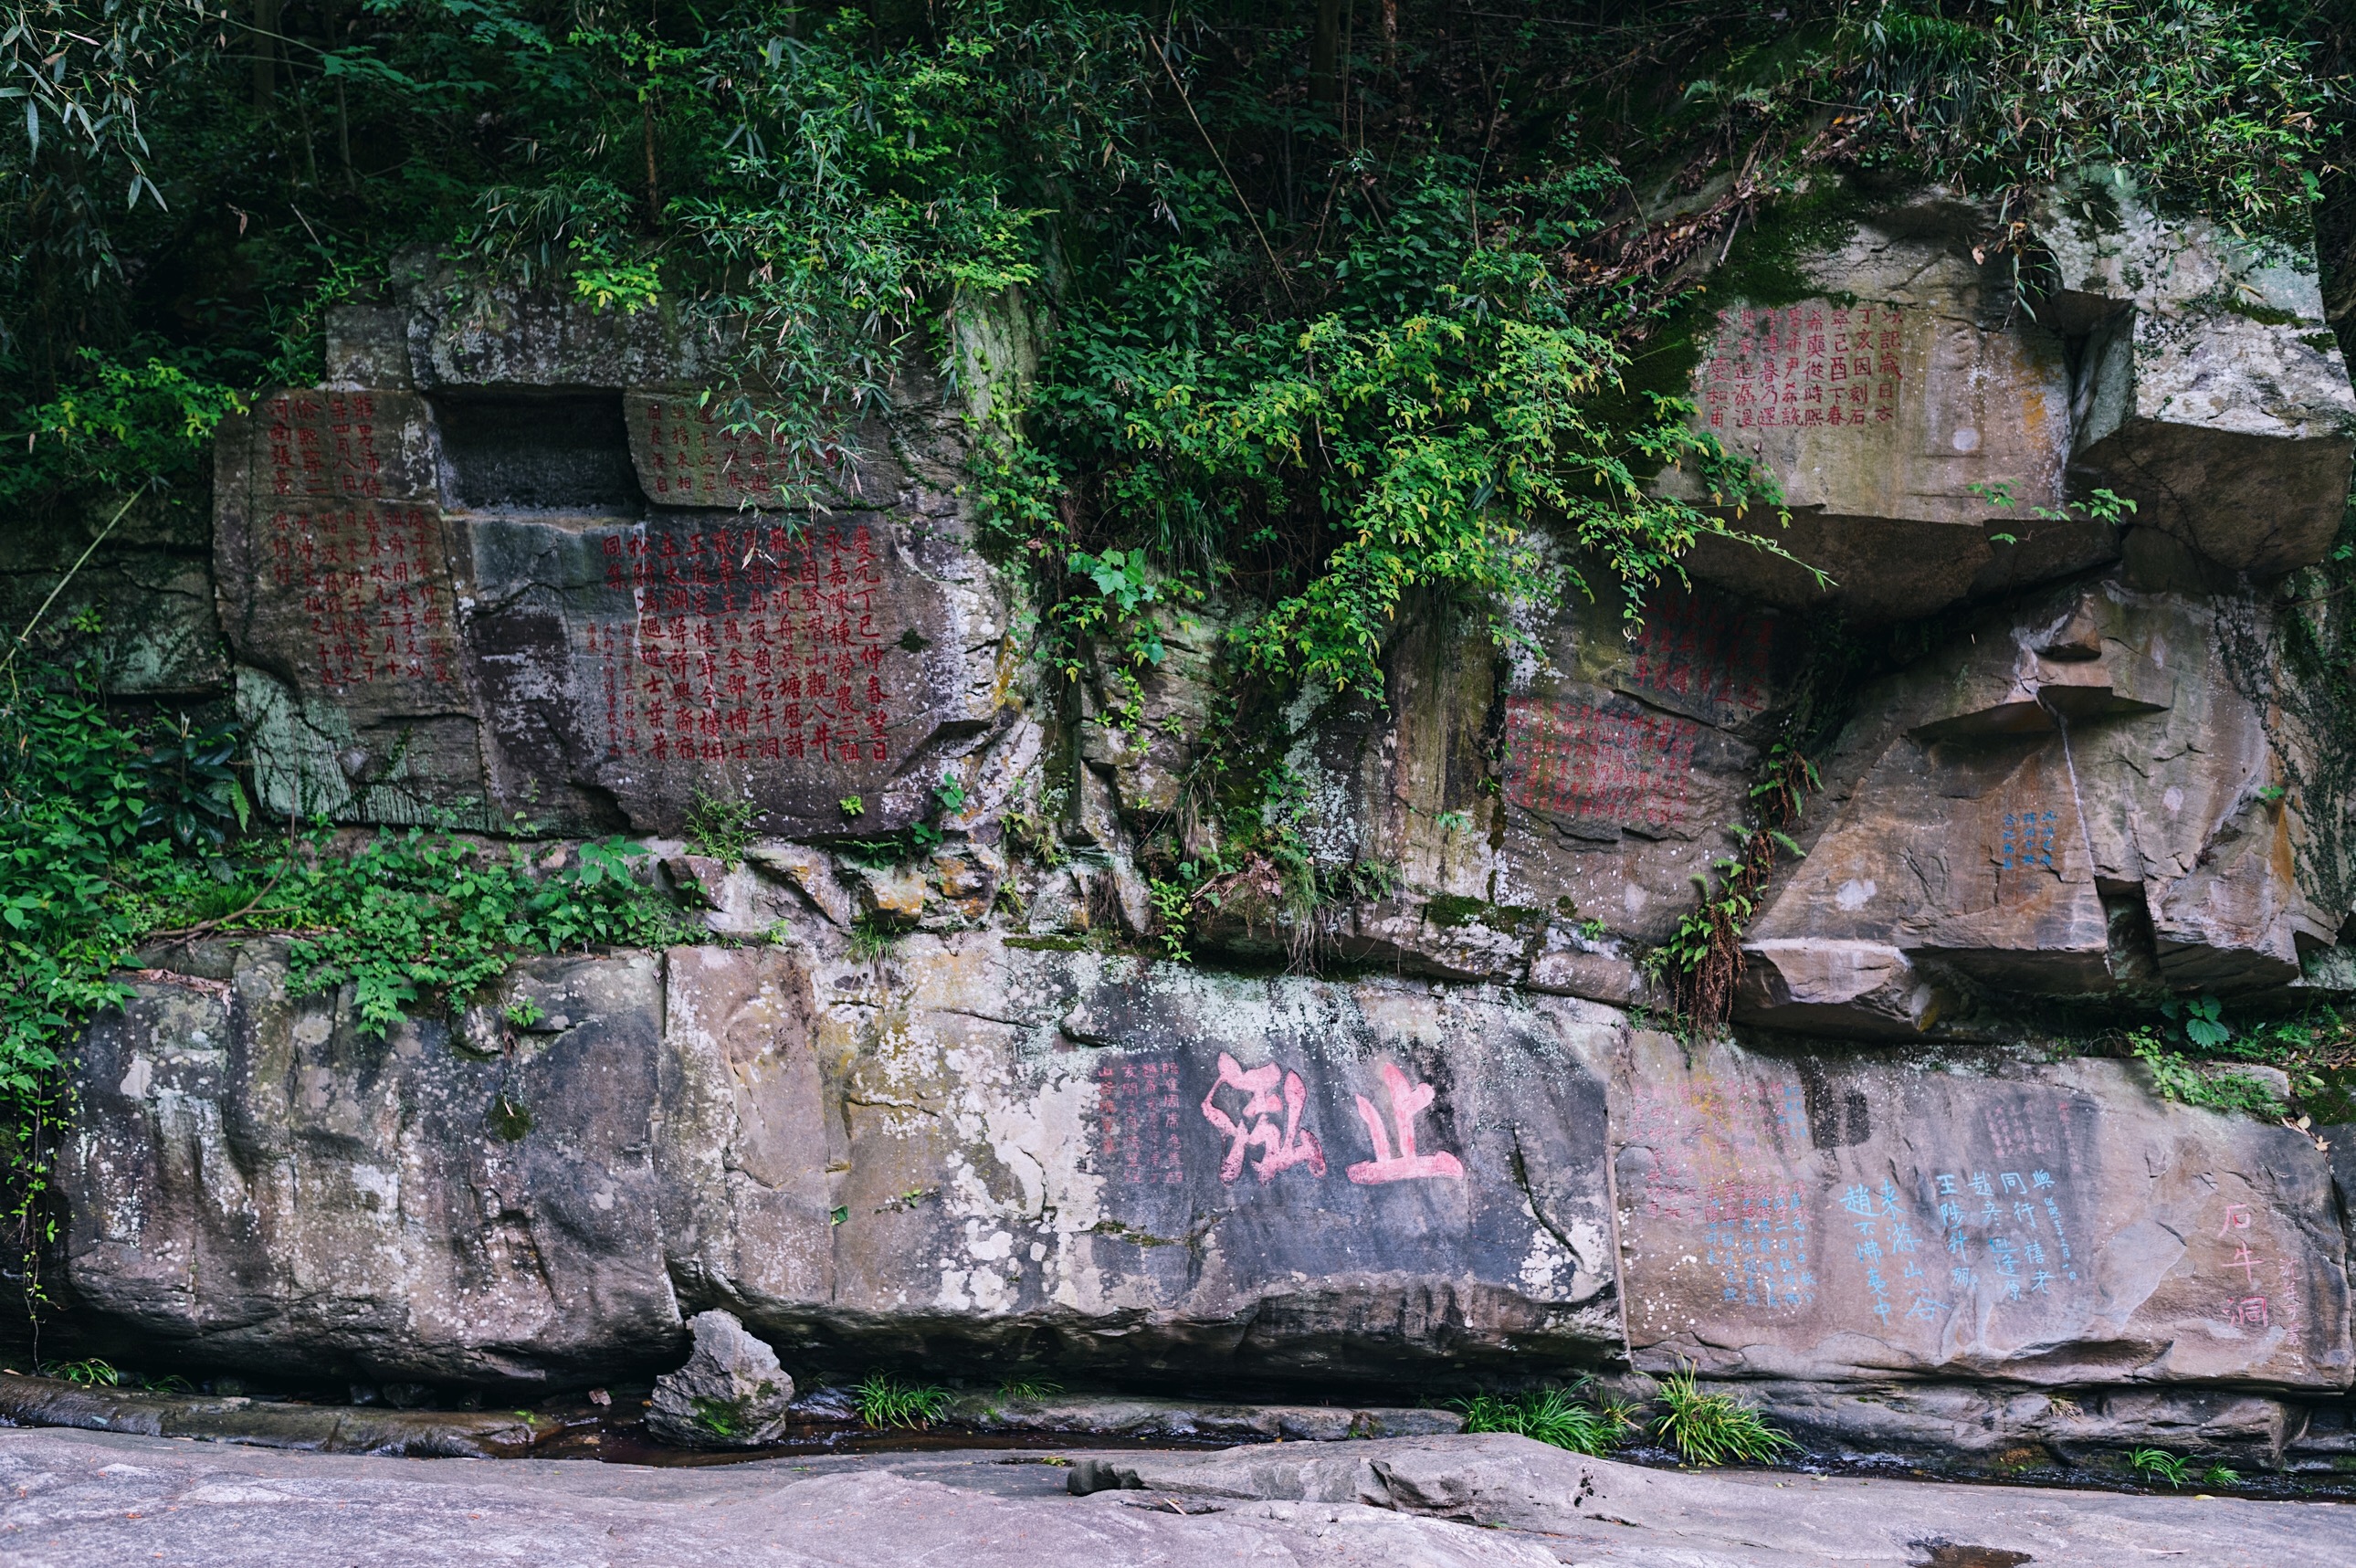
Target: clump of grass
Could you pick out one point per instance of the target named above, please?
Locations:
(2159, 1465)
(871, 938)
(90, 1372)
(2221, 1475)
(1713, 1428)
(1551, 1415)
(1029, 1389)
(888, 1401)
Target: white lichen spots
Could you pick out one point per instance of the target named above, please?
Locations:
(135, 1079)
(381, 1185)
(1547, 1264)
(1591, 1246)
(1854, 894)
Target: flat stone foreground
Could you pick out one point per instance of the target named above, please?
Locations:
(75, 1499)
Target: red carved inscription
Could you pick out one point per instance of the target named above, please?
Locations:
(1705, 653)
(1573, 756)
(688, 457)
(325, 444)
(370, 581)
(748, 645)
(1810, 365)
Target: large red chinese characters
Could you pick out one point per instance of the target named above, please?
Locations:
(1254, 1126)
(1409, 1100)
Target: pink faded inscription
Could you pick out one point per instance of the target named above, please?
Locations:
(1705, 653)
(1137, 1120)
(1254, 1125)
(1409, 1100)
(1574, 757)
(2252, 1299)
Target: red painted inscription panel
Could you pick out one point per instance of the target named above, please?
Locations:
(1588, 758)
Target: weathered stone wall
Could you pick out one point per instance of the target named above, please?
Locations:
(979, 1153)
(973, 1149)
(511, 567)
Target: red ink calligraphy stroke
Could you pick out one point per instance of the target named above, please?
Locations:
(1408, 1101)
(1256, 1128)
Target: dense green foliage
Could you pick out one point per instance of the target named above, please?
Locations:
(419, 914)
(2202, 98)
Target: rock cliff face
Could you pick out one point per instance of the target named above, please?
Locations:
(974, 1144)
(511, 566)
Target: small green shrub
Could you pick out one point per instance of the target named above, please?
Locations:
(2159, 1465)
(885, 1400)
(1030, 1390)
(1551, 1415)
(2180, 1079)
(1715, 1428)
(421, 914)
(1173, 909)
(719, 828)
(2221, 1475)
(189, 777)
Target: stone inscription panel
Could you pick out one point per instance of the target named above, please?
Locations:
(687, 456)
(1700, 655)
(751, 644)
(1138, 1120)
(1949, 1222)
(1351, 1152)
(359, 596)
(1816, 364)
(351, 445)
(789, 663)
(1876, 410)
(1587, 758)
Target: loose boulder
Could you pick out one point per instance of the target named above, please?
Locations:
(731, 1395)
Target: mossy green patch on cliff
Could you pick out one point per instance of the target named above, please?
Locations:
(2264, 314)
(1449, 911)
